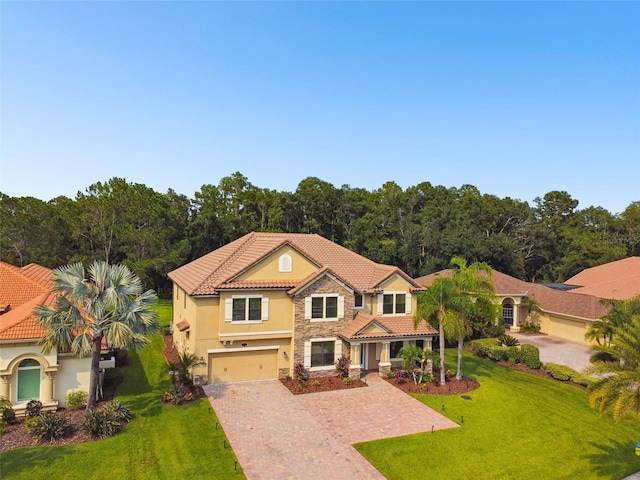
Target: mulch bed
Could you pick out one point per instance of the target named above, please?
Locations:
(452, 386)
(170, 353)
(321, 384)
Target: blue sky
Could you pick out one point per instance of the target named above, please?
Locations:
(516, 98)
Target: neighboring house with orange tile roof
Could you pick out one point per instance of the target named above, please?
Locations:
(260, 304)
(26, 373)
(562, 314)
(619, 280)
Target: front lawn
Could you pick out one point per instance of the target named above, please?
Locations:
(515, 426)
(162, 442)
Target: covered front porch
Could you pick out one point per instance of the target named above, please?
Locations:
(375, 341)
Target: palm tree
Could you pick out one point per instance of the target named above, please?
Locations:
(440, 306)
(105, 301)
(473, 282)
(618, 386)
(184, 365)
(602, 330)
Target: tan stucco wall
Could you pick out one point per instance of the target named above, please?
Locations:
(11, 351)
(572, 329)
(73, 374)
(268, 269)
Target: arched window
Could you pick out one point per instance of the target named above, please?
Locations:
(285, 263)
(28, 380)
(507, 313)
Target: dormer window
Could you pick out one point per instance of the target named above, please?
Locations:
(285, 263)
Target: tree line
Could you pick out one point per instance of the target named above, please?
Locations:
(419, 228)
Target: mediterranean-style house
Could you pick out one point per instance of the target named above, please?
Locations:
(259, 305)
(26, 373)
(559, 313)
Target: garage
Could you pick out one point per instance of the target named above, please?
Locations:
(572, 330)
(244, 365)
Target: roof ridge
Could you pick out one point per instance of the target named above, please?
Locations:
(218, 272)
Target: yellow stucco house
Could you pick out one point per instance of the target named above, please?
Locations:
(255, 307)
(26, 373)
(562, 314)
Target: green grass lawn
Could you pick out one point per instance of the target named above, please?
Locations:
(162, 442)
(516, 426)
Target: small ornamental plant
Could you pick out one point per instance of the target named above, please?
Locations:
(33, 408)
(76, 399)
(48, 426)
(6, 411)
(342, 366)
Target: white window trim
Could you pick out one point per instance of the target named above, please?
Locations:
(339, 309)
(407, 305)
(404, 344)
(337, 353)
(264, 310)
(285, 263)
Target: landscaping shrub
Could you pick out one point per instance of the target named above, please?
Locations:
(497, 353)
(559, 372)
(346, 380)
(481, 346)
(581, 379)
(529, 327)
(33, 408)
(530, 356)
(76, 399)
(495, 330)
(508, 341)
(513, 353)
(47, 426)
(342, 366)
(299, 372)
(6, 411)
(107, 421)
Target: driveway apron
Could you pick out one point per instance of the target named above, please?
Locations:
(276, 435)
(556, 350)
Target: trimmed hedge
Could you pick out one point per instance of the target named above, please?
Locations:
(491, 348)
(559, 372)
(530, 356)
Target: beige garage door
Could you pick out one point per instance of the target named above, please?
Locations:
(242, 366)
(569, 330)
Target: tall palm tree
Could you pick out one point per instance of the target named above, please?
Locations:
(473, 282)
(618, 387)
(440, 306)
(105, 301)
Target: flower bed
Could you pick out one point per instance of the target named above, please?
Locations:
(321, 384)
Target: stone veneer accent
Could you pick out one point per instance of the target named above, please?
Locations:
(284, 372)
(306, 329)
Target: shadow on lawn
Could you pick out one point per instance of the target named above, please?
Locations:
(614, 459)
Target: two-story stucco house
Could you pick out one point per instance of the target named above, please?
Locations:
(255, 307)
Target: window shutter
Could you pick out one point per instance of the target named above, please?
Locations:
(228, 309)
(341, 307)
(307, 354)
(380, 307)
(265, 308)
(408, 304)
(307, 308)
(338, 350)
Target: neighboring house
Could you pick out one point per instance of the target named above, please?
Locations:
(562, 314)
(259, 305)
(25, 372)
(619, 280)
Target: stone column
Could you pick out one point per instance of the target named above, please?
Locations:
(384, 367)
(5, 386)
(355, 369)
(47, 388)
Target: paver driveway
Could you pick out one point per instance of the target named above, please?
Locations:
(277, 435)
(556, 350)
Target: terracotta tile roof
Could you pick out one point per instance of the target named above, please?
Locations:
(391, 326)
(618, 280)
(550, 300)
(21, 289)
(259, 284)
(183, 325)
(207, 274)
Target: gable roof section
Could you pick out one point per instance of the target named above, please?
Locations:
(211, 272)
(550, 300)
(619, 280)
(21, 289)
(390, 327)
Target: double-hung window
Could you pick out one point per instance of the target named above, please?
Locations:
(321, 307)
(246, 308)
(394, 303)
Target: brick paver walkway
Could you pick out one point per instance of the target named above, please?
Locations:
(277, 435)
